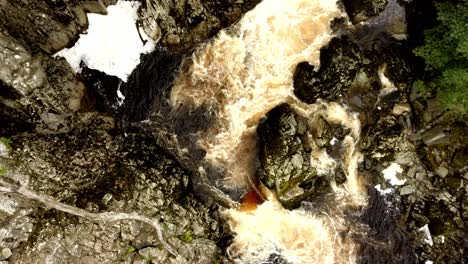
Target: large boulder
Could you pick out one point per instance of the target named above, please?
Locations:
(285, 155)
(340, 62)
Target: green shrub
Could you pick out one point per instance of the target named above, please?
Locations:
(445, 52)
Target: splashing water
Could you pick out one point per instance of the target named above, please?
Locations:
(298, 236)
(240, 76)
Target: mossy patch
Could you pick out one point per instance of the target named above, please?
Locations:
(187, 236)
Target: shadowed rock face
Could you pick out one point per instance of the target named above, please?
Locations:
(102, 90)
(149, 84)
(386, 241)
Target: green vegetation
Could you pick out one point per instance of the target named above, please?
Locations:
(131, 249)
(445, 53)
(3, 170)
(187, 237)
(7, 142)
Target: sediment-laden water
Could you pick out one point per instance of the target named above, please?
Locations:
(239, 76)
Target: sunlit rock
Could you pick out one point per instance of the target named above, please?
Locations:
(46, 25)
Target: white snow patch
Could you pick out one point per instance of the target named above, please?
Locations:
(112, 43)
(428, 262)
(333, 141)
(427, 233)
(378, 187)
(390, 174)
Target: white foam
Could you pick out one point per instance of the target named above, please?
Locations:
(390, 174)
(298, 236)
(378, 187)
(112, 43)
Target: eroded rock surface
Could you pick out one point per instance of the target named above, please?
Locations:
(95, 169)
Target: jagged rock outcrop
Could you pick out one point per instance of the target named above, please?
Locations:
(340, 62)
(285, 150)
(42, 89)
(373, 73)
(103, 90)
(181, 25)
(43, 25)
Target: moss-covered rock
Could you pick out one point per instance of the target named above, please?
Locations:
(285, 157)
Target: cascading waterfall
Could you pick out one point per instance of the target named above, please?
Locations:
(240, 76)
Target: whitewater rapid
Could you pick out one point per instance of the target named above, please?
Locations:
(239, 76)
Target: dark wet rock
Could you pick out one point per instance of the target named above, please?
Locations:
(276, 259)
(437, 215)
(14, 121)
(386, 241)
(102, 90)
(149, 84)
(340, 61)
(382, 138)
(183, 24)
(420, 15)
(43, 25)
(285, 157)
(354, 69)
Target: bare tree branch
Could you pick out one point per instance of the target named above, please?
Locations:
(105, 217)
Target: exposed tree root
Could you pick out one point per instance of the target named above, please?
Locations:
(105, 217)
